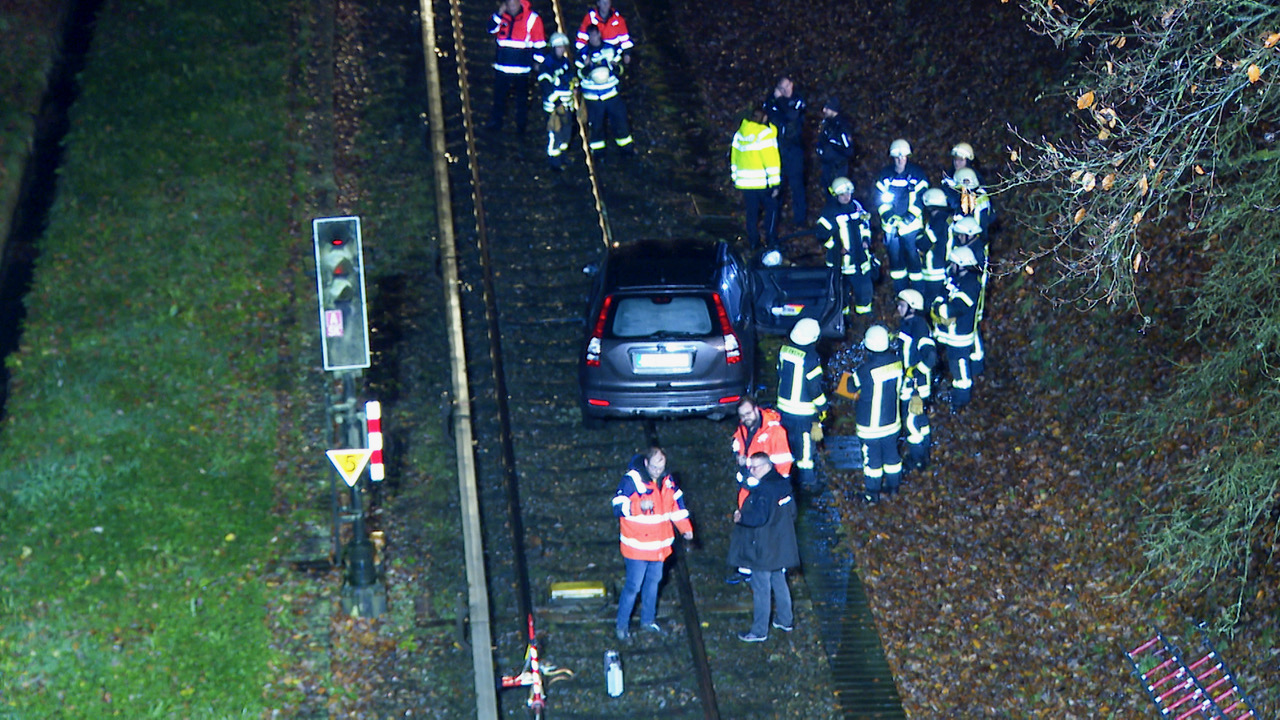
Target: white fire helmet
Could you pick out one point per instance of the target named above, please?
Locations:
(899, 148)
(934, 197)
(912, 298)
(963, 150)
(963, 257)
(967, 179)
(966, 226)
(559, 39)
(806, 331)
(600, 75)
(876, 339)
(841, 185)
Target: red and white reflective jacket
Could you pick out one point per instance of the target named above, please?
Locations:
(649, 513)
(771, 439)
(521, 40)
(613, 29)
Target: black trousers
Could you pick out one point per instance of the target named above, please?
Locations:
(503, 85)
(756, 201)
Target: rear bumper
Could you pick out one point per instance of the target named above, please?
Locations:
(661, 402)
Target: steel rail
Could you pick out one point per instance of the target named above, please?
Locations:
(477, 584)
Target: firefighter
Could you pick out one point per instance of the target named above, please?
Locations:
(961, 157)
(973, 199)
(919, 355)
(877, 385)
(786, 112)
(967, 233)
(901, 215)
(756, 168)
(599, 69)
(955, 326)
(802, 403)
(613, 28)
(522, 44)
(835, 145)
(934, 245)
(845, 231)
(555, 78)
(650, 508)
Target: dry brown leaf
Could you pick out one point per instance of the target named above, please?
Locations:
(1118, 42)
(1111, 68)
(1076, 175)
(1103, 134)
(1255, 73)
(1080, 215)
(1156, 180)
(1013, 156)
(1085, 101)
(1151, 163)
(1108, 181)
(1137, 259)
(1089, 182)
(1271, 40)
(1199, 170)
(1142, 185)
(1137, 217)
(1217, 61)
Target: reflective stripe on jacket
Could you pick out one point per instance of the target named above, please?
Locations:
(755, 162)
(647, 511)
(800, 381)
(899, 198)
(770, 438)
(521, 40)
(613, 30)
(879, 384)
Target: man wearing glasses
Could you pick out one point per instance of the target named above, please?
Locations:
(764, 544)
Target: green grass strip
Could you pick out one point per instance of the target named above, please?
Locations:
(137, 460)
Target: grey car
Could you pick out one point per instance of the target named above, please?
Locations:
(669, 332)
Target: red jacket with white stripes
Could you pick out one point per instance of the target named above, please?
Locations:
(521, 40)
(613, 29)
(649, 512)
(770, 438)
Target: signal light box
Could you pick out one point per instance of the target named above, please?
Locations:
(344, 319)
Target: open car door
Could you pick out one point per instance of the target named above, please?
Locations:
(783, 295)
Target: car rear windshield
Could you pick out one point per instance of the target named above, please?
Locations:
(657, 315)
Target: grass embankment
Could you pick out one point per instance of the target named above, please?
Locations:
(28, 36)
(139, 451)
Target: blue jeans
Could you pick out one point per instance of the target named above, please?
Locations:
(762, 583)
(643, 577)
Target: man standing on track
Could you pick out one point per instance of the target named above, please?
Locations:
(521, 44)
(764, 542)
(613, 28)
(650, 508)
(599, 69)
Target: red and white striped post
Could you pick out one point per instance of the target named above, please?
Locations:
(373, 420)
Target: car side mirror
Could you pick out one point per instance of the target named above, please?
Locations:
(591, 269)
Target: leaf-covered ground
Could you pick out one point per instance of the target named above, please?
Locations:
(1006, 579)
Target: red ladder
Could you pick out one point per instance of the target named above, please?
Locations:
(1202, 689)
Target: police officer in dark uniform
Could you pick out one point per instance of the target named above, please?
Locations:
(835, 144)
(786, 112)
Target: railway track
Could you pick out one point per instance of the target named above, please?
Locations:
(523, 235)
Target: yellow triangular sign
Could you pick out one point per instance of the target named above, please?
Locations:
(350, 463)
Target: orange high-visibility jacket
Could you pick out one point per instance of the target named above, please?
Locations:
(771, 439)
(649, 513)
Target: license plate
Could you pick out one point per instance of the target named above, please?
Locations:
(669, 362)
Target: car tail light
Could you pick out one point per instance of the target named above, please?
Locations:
(732, 349)
(593, 345)
(730, 399)
(597, 402)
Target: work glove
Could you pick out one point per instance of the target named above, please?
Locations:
(815, 432)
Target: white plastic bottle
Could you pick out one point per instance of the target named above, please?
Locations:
(613, 673)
